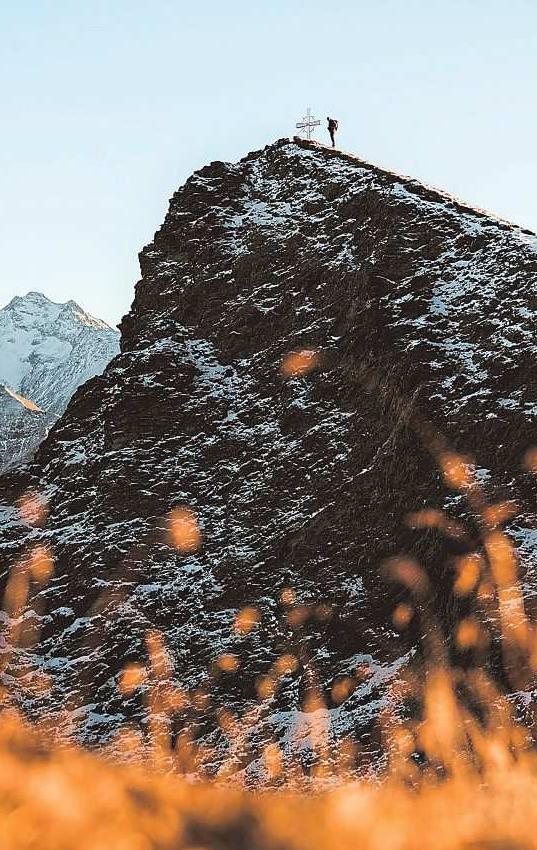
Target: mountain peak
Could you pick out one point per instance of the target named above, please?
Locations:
(412, 307)
(37, 304)
(415, 186)
(31, 297)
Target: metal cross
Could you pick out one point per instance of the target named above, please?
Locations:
(308, 124)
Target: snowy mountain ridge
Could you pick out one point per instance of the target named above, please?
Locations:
(46, 351)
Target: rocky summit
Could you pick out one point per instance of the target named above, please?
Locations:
(46, 351)
(414, 307)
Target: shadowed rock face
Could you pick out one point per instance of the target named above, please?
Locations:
(419, 306)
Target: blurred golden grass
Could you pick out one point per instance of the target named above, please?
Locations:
(461, 770)
(63, 798)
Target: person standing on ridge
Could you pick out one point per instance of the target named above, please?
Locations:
(332, 129)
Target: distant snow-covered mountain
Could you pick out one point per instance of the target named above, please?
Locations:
(46, 351)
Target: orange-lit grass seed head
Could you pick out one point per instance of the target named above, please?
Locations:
(402, 616)
(273, 760)
(16, 592)
(442, 732)
(428, 518)
(183, 530)
(403, 740)
(467, 635)
(485, 591)
(285, 665)
(159, 659)
(432, 518)
(176, 699)
(200, 699)
(246, 619)
(226, 721)
(497, 514)
(469, 570)
(458, 470)
(313, 700)
(342, 689)
(298, 363)
(502, 557)
(41, 564)
(227, 663)
(265, 687)
(33, 508)
(409, 573)
(296, 617)
(288, 596)
(132, 677)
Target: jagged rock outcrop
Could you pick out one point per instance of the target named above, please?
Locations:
(46, 351)
(418, 305)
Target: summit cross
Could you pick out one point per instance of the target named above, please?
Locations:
(308, 124)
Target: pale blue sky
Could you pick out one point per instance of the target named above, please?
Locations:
(108, 105)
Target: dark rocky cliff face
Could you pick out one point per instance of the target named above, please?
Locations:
(418, 305)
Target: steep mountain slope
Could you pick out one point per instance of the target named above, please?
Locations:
(46, 351)
(22, 420)
(418, 305)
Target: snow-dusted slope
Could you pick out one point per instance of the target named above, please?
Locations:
(423, 309)
(22, 423)
(46, 351)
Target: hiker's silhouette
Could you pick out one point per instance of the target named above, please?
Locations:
(332, 129)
